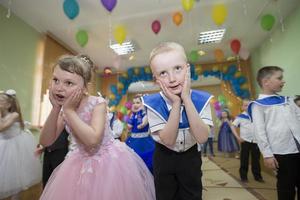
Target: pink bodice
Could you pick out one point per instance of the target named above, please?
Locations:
(85, 114)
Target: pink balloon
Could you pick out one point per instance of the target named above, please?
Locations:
(244, 53)
(156, 26)
(128, 105)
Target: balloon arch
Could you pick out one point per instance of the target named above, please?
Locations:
(229, 74)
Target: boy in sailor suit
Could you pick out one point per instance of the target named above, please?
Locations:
(276, 122)
(179, 118)
(248, 145)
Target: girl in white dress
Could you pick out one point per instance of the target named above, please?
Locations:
(19, 168)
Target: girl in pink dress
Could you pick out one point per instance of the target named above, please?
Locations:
(98, 167)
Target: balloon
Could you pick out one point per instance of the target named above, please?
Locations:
(120, 85)
(109, 4)
(128, 105)
(112, 108)
(187, 4)
(235, 46)
(244, 53)
(112, 97)
(123, 110)
(193, 56)
(147, 70)
(219, 14)
(267, 22)
(198, 70)
(82, 38)
(126, 118)
(156, 26)
(215, 68)
(237, 74)
(177, 18)
(136, 71)
(219, 55)
(71, 8)
(120, 34)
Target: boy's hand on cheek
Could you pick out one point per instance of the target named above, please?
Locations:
(185, 93)
(172, 97)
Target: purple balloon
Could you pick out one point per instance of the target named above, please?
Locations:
(109, 4)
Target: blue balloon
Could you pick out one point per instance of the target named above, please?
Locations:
(130, 72)
(242, 80)
(114, 89)
(71, 8)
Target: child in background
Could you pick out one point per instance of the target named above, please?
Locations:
(53, 155)
(179, 118)
(140, 140)
(226, 139)
(209, 143)
(297, 100)
(116, 126)
(98, 167)
(276, 121)
(248, 145)
(19, 168)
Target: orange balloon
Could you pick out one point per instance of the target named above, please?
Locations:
(177, 18)
(219, 55)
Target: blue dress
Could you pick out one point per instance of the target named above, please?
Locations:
(226, 140)
(140, 140)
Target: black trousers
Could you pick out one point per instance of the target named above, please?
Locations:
(288, 176)
(248, 148)
(51, 161)
(177, 176)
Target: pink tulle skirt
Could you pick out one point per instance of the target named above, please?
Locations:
(115, 172)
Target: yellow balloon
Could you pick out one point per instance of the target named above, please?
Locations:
(215, 68)
(125, 75)
(120, 34)
(198, 70)
(187, 4)
(136, 71)
(112, 109)
(238, 74)
(147, 70)
(112, 96)
(120, 85)
(245, 86)
(219, 14)
(225, 68)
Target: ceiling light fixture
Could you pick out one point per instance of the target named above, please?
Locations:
(123, 49)
(211, 36)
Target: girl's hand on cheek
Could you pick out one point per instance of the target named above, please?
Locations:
(52, 99)
(73, 100)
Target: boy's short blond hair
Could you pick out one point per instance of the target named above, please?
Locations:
(266, 72)
(166, 47)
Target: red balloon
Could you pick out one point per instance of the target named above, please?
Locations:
(235, 46)
(156, 26)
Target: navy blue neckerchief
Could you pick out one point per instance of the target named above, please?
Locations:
(157, 104)
(268, 101)
(244, 116)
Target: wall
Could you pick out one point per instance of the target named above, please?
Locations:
(282, 51)
(18, 46)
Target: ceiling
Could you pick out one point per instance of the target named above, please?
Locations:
(242, 23)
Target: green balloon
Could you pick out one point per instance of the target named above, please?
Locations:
(267, 22)
(193, 56)
(82, 37)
